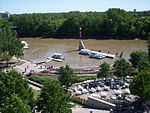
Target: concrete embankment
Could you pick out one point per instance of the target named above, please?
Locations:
(34, 85)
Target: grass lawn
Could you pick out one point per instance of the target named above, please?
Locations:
(36, 94)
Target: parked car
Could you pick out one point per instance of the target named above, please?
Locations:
(101, 84)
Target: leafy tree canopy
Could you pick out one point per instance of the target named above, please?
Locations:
(140, 85)
(9, 45)
(115, 22)
(14, 104)
(104, 70)
(53, 99)
(148, 48)
(12, 83)
(67, 76)
(138, 56)
(122, 68)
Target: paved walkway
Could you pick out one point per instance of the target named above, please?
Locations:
(88, 110)
(34, 87)
(26, 67)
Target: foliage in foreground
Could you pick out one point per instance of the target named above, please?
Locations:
(9, 45)
(15, 90)
(140, 85)
(122, 68)
(14, 104)
(82, 79)
(53, 99)
(104, 70)
(40, 79)
(137, 57)
(67, 76)
(148, 48)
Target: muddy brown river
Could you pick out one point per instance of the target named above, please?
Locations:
(43, 48)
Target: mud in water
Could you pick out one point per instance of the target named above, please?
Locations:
(43, 48)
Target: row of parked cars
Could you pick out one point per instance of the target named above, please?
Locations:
(105, 84)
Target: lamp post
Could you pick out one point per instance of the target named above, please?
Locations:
(81, 45)
(80, 33)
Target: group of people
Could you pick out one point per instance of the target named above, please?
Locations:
(121, 54)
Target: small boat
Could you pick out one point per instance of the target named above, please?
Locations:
(26, 45)
(84, 52)
(57, 57)
(96, 55)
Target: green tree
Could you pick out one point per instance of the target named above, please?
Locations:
(143, 65)
(14, 104)
(122, 68)
(114, 22)
(140, 85)
(5, 23)
(53, 99)
(67, 76)
(13, 83)
(9, 45)
(138, 56)
(149, 48)
(104, 70)
(117, 22)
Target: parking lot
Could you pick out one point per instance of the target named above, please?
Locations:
(112, 89)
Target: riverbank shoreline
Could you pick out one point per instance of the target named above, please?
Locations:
(96, 38)
(44, 48)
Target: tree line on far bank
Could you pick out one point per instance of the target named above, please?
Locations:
(114, 23)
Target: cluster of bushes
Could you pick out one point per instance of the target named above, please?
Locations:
(86, 78)
(40, 79)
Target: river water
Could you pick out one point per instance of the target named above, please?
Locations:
(43, 48)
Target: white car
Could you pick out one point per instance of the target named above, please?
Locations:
(98, 88)
(106, 88)
(92, 90)
(84, 91)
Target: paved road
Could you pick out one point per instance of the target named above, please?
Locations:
(88, 110)
(34, 87)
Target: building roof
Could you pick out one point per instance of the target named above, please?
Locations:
(2, 10)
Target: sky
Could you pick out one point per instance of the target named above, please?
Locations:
(48, 6)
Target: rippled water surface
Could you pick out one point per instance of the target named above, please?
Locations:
(43, 48)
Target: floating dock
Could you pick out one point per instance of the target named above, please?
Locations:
(105, 54)
(88, 52)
